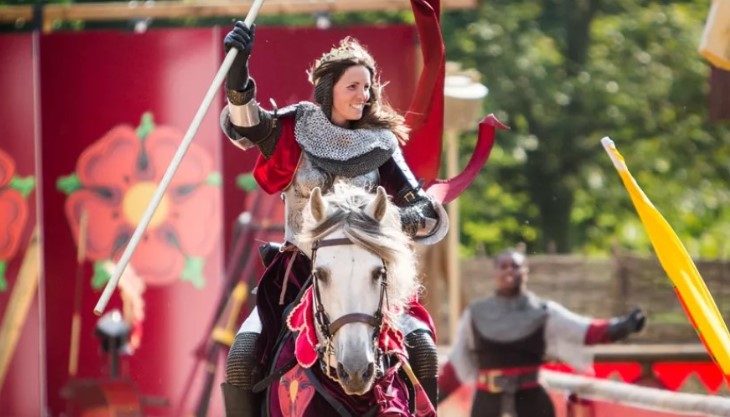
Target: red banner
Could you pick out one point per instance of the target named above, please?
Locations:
(21, 388)
(113, 107)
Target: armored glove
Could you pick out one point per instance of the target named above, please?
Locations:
(415, 217)
(241, 38)
(621, 327)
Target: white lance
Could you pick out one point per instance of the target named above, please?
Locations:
(174, 164)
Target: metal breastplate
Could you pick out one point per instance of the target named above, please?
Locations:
(305, 180)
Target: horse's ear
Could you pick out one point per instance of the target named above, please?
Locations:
(316, 205)
(376, 208)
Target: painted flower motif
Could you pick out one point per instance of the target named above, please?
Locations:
(115, 180)
(13, 211)
(295, 392)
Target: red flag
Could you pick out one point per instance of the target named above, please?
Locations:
(425, 115)
(446, 190)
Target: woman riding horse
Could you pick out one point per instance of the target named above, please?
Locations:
(345, 343)
(350, 135)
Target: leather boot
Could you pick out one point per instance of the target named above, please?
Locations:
(239, 402)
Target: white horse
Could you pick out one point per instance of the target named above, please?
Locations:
(364, 275)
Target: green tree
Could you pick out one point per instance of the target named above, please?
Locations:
(563, 74)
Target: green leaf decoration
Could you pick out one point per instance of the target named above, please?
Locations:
(146, 125)
(3, 282)
(246, 182)
(214, 178)
(101, 275)
(193, 271)
(69, 184)
(23, 184)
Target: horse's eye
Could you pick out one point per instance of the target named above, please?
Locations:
(377, 273)
(322, 274)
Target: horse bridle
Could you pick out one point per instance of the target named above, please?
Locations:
(329, 329)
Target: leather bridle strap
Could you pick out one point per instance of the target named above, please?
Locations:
(331, 242)
(329, 329)
(353, 318)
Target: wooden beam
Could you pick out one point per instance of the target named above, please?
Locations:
(16, 13)
(176, 10)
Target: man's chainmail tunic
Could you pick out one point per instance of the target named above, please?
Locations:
(508, 319)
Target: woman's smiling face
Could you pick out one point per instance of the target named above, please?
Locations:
(350, 95)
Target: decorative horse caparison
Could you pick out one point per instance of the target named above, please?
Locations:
(345, 355)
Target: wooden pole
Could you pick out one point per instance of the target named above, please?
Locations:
(19, 304)
(73, 354)
(452, 257)
(172, 168)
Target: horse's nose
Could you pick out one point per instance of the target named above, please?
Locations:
(357, 376)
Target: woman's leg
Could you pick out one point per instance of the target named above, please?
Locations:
(242, 370)
(422, 355)
(424, 361)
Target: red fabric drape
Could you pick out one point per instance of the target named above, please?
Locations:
(446, 190)
(426, 113)
(276, 173)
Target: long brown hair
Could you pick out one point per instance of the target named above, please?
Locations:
(327, 70)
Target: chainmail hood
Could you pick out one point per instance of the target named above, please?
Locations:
(340, 151)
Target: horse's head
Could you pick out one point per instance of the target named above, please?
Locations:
(364, 274)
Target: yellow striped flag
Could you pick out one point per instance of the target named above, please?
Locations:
(688, 284)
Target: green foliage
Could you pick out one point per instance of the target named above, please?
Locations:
(562, 78)
(291, 19)
(69, 184)
(24, 185)
(31, 2)
(563, 74)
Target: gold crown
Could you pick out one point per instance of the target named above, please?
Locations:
(347, 50)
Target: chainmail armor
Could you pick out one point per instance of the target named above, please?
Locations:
(505, 319)
(242, 365)
(423, 357)
(340, 151)
(422, 354)
(307, 177)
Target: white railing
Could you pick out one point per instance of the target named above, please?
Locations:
(634, 395)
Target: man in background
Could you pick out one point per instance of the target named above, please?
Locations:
(504, 339)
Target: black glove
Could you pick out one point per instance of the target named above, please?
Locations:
(637, 320)
(621, 327)
(241, 38)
